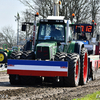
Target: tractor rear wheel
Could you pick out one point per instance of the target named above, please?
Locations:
(83, 66)
(73, 70)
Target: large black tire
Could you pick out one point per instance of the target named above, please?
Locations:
(18, 55)
(13, 55)
(25, 80)
(24, 55)
(3, 57)
(60, 56)
(28, 80)
(14, 79)
(73, 70)
(83, 66)
(31, 56)
(28, 55)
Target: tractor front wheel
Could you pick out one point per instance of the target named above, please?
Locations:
(73, 70)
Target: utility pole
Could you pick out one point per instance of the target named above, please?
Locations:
(17, 19)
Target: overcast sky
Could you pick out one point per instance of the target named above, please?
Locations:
(9, 9)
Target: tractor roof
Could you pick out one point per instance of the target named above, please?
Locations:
(55, 17)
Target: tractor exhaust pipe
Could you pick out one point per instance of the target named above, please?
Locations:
(56, 7)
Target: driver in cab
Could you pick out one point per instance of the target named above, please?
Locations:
(55, 33)
(83, 37)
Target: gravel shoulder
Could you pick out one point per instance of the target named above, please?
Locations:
(45, 91)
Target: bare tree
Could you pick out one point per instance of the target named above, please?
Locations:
(79, 7)
(7, 36)
(95, 10)
(85, 10)
(45, 8)
(28, 17)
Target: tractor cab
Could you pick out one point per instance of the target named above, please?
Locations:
(53, 29)
(52, 36)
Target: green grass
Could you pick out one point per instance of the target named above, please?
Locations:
(94, 96)
(4, 71)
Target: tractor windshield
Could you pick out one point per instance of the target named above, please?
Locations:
(51, 32)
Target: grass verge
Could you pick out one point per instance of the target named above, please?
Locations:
(94, 96)
(4, 71)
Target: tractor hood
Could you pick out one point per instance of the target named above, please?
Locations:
(46, 50)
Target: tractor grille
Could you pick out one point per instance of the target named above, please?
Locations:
(43, 53)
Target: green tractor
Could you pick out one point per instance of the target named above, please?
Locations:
(51, 57)
(4, 54)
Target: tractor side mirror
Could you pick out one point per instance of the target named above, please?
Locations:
(23, 27)
(97, 38)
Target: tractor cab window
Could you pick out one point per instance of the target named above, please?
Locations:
(51, 32)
